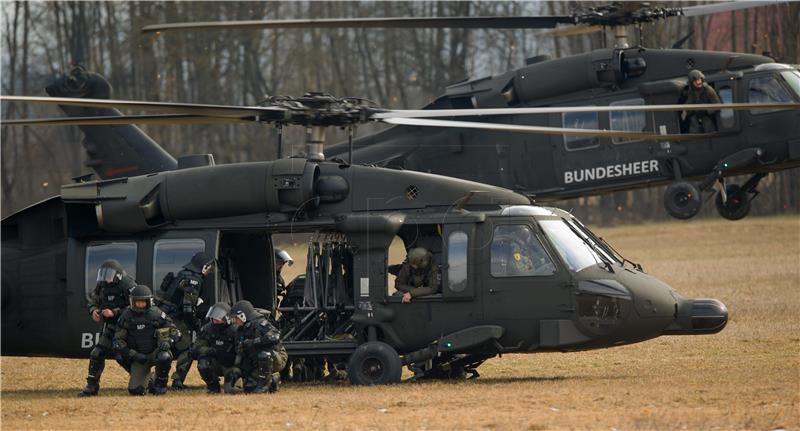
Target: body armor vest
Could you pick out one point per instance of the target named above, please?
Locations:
(223, 339)
(141, 327)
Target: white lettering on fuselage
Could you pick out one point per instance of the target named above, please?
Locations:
(611, 171)
(88, 339)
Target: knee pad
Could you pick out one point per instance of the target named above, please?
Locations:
(136, 391)
(203, 364)
(97, 353)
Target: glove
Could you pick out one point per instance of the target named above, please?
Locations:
(164, 345)
(140, 358)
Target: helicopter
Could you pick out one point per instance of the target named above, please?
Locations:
(575, 292)
(561, 166)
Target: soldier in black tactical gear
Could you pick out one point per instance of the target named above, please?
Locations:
(108, 299)
(259, 353)
(145, 336)
(181, 297)
(281, 258)
(697, 91)
(215, 349)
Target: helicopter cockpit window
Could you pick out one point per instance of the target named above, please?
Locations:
(792, 77)
(573, 249)
(580, 120)
(767, 90)
(517, 252)
(628, 121)
(169, 255)
(96, 254)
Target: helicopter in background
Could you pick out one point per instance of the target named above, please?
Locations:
(551, 167)
(586, 295)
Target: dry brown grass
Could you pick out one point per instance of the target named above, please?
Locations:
(746, 377)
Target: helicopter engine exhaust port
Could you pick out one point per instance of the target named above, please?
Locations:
(682, 200)
(699, 316)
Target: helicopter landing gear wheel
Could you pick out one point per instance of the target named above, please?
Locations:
(737, 204)
(682, 200)
(374, 363)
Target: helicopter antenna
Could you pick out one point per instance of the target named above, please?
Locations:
(350, 144)
(280, 140)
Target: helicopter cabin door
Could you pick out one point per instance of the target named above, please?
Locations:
(522, 283)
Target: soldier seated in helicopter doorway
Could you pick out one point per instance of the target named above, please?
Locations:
(697, 91)
(418, 275)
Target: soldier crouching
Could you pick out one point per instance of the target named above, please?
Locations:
(145, 336)
(259, 353)
(215, 350)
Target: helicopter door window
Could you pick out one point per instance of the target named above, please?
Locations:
(96, 254)
(580, 120)
(726, 116)
(169, 255)
(767, 90)
(628, 121)
(457, 244)
(517, 252)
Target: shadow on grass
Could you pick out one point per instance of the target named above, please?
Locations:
(507, 380)
(25, 394)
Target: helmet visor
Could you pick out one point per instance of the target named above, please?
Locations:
(107, 274)
(218, 313)
(284, 256)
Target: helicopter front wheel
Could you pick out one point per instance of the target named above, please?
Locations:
(682, 200)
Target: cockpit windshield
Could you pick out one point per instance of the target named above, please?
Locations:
(577, 251)
(792, 77)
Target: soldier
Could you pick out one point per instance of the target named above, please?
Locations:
(215, 349)
(108, 299)
(145, 336)
(181, 297)
(259, 353)
(281, 258)
(418, 276)
(697, 91)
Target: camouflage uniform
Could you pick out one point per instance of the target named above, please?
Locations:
(699, 121)
(424, 280)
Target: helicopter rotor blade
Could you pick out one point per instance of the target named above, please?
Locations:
(478, 22)
(572, 31)
(708, 9)
(170, 119)
(436, 113)
(543, 130)
(269, 112)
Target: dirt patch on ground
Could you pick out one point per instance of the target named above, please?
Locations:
(746, 377)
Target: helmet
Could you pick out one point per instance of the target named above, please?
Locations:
(201, 263)
(219, 311)
(138, 293)
(282, 256)
(696, 74)
(110, 272)
(244, 310)
(419, 258)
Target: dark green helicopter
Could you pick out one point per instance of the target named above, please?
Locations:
(552, 167)
(574, 291)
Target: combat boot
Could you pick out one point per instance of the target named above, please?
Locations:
(177, 385)
(275, 383)
(91, 389)
(213, 388)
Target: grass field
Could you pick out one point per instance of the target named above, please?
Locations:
(746, 377)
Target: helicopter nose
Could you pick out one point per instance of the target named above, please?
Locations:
(699, 316)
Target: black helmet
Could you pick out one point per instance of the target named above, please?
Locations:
(219, 311)
(110, 272)
(244, 310)
(282, 256)
(201, 262)
(138, 293)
